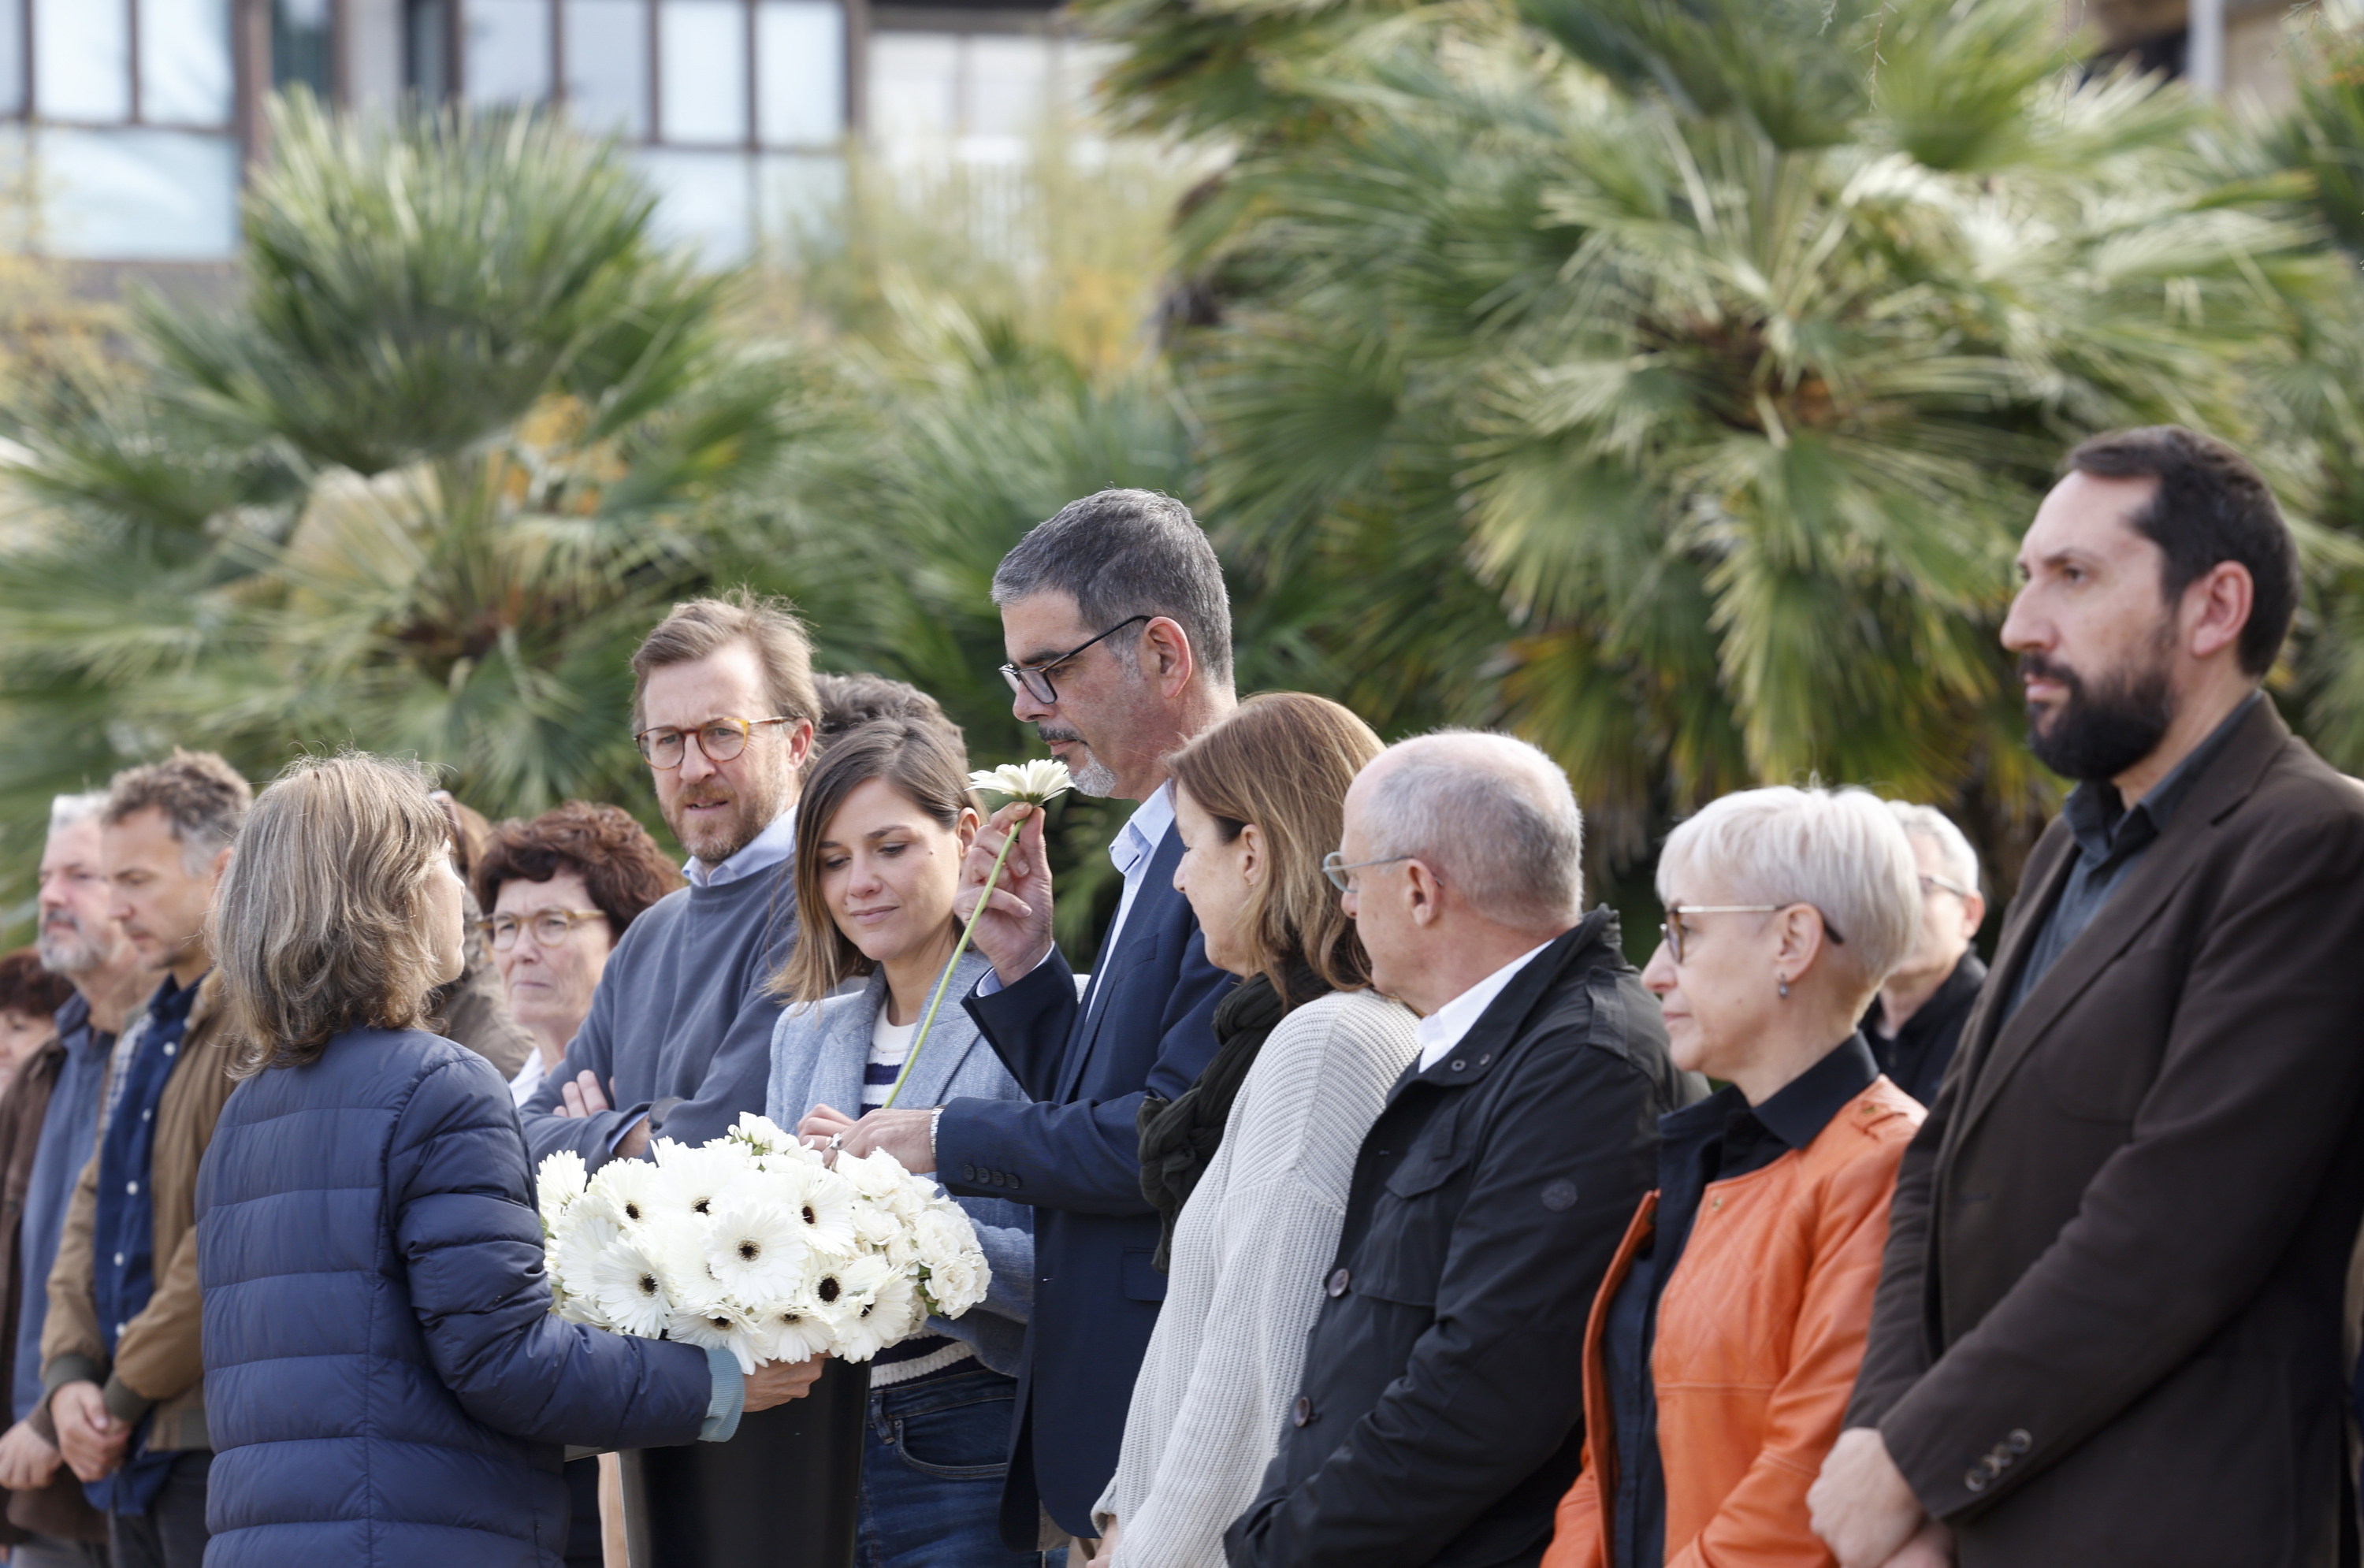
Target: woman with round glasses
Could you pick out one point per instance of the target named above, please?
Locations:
(1726, 1336)
(561, 888)
(1249, 1168)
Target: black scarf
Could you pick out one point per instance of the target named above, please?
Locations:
(1179, 1137)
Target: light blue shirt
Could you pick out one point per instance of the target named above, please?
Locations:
(762, 853)
(1134, 846)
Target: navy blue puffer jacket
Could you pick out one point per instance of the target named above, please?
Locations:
(384, 1382)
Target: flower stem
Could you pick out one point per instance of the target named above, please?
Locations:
(953, 963)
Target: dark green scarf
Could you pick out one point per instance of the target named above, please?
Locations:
(1179, 1137)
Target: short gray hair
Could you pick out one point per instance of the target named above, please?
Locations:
(1122, 553)
(1954, 852)
(1494, 816)
(1840, 850)
(67, 810)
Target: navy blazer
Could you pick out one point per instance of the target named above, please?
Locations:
(1073, 1152)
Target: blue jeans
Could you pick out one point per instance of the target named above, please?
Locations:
(932, 1470)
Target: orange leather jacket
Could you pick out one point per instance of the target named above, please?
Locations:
(1760, 1330)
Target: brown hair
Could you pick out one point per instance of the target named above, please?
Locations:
(704, 627)
(26, 987)
(1284, 761)
(320, 924)
(204, 800)
(620, 866)
(850, 701)
(928, 765)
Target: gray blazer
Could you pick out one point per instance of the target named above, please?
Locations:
(818, 1057)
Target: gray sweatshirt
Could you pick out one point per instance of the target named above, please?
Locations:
(681, 1024)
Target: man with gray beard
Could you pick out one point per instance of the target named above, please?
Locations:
(47, 1122)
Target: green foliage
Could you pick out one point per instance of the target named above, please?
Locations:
(1675, 390)
(465, 433)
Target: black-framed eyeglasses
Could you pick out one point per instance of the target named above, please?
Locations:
(1034, 679)
(549, 927)
(1672, 927)
(719, 740)
(1930, 880)
(1335, 865)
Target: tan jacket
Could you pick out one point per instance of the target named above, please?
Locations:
(160, 1357)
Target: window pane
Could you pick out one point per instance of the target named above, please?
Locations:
(1008, 85)
(430, 62)
(505, 50)
(82, 59)
(704, 49)
(704, 200)
(914, 83)
(299, 45)
(139, 195)
(608, 65)
(800, 72)
(12, 57)
(184, 75)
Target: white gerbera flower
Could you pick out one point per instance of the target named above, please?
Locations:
(795, 1330)
(1035, 782)
(891, 1314)
(559, 1182)
(633, 1187)
(629, 1286)
(762, 1134)
(754, 1246)
(696, 1177)
(821, 1200)
(720, 1325)
(584, 1232)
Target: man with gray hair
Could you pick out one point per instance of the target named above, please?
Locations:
(1440, 1420)
(1917, 1021)
(47, 1122)
(1120, 639)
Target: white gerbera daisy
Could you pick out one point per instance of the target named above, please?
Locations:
(584, 1232)
(792, 1330)
(696, 1177)
(629, 1284)
(720, 1325)
(821, 1200)
(559, 1182)
(1045, 778)
(633, 1186)
(754, 1247)
(761, 1133)
(893, 1312)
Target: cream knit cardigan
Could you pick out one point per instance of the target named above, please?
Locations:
(1250, 1252)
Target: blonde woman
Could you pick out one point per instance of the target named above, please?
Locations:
(1249, 1167)
(386, 1383)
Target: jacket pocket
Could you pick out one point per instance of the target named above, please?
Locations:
(1142, 1280)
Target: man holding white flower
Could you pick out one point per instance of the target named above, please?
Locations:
(1119, 634)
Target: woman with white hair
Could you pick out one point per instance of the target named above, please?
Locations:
(1727, 1332)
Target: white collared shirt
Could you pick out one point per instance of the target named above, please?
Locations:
(1442, 1030)
(1134, 846)
(762, 853)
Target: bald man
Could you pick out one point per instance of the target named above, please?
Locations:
(1440, 1418)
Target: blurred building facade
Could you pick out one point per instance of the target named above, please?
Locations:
(130, 123)
(126, 126)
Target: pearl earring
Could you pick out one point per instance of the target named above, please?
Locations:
(1783, 986)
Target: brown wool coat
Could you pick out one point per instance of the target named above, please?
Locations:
(2109, 1321)
(159, 1359)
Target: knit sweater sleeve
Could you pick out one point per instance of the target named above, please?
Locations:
(1208, 1408)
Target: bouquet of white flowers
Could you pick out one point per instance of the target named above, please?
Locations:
(754, 1244)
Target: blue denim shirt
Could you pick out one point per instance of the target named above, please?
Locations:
(68, 1130)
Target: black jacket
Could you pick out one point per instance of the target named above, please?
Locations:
(1916, 1058)
(1440, 1418)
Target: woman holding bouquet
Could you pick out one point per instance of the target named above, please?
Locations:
(884, 822)
(386, 1383)
(1251, 1165)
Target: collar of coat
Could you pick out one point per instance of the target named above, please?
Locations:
(1591, 942)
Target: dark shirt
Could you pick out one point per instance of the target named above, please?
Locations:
(2110, 841)
(1721, 1138)
(1915, 1057)
(123, 1229)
